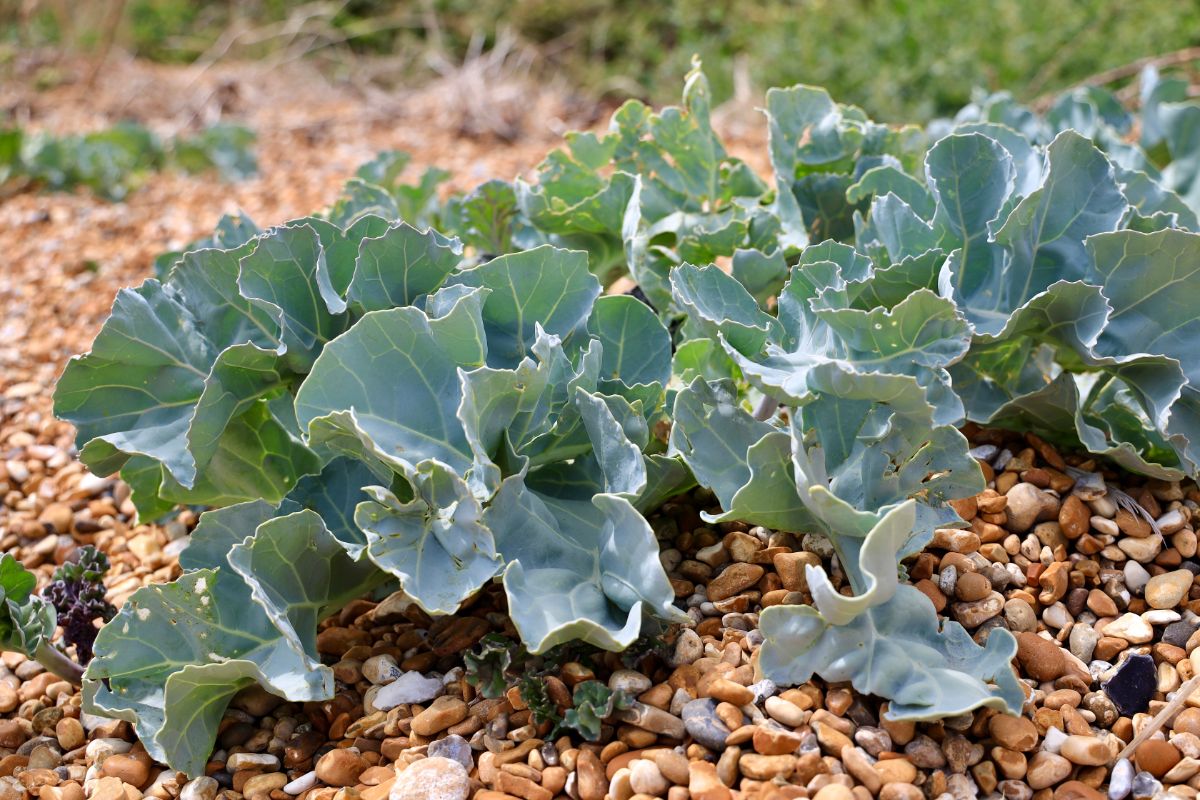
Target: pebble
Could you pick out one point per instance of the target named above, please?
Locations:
(1136, 576)
(1168, 589)
(1085, 750)
(645, 777)
(1015, 733)
(302, 784)
(441, 714)
(733, 579)
(1120, 780)
(411, 687)
(974, 614)
(239, 761)
(432, 778)
(341, 767)
(1041, 659)
(130, 769)
(202, 788)
(688, 648)
(785, 711)
(1133, 684)
(630, 681)
(653, 719)
(453, 747)
(1130, 627)
(700, 719)
(1082, 642)
(1156, 757)
(264, 784)
(382, 669)
(1028, 504)
(1020, 615)
(1145, 786)
(1178, 633)
(1046, 769)
(703, 784)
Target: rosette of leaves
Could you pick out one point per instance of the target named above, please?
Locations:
(368, 406)
(76, 591)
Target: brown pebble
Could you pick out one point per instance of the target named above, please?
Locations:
(1041, 659)
(1155, 756)
(340, 767)
(733, 579)
(973, 586)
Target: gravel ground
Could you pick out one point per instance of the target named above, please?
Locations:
(1094, 572)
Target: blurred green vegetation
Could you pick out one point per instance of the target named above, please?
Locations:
(900, 59)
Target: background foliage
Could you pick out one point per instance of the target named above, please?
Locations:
(907, 60)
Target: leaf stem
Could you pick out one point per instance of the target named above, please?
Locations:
(766, 407)
(57, 662)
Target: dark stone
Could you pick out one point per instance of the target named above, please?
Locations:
(1077, 601)
(236, 735)
(700, 719)
(1133, 685)
(1177, 633)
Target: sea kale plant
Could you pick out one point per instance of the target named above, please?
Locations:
(446, 394)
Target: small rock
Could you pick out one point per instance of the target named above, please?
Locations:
(630, 681)
(11, 789)
(411, 687)
(1020, 615)
(1047, 769)
(1145, 787)
(703, 783)
(785, 711)
(1141, 550)
(1120, 781)
(1178, 633)
(341, 767)
(1083, 641)
(264, 761)
(1168, 589)
(441, 714)
(1130, 627)
(202, 788)
(645, 777)
(264, 784)
(1136, 578)
(130, 769)
(1028, 504)
(432, 778)
(700, 719)
(1134, 683)
(302, 784)
(924, 753)
(653, 719)
(1085, 750)
(1041, 659)
(729, 691)
(688, 648)
(382, 669)
(591, 781)
(1015, 733)
(453, 747)
(972, 615)
(1156, 757)
(70, 734)
(733, 579)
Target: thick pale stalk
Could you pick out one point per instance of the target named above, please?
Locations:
(57, 662)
